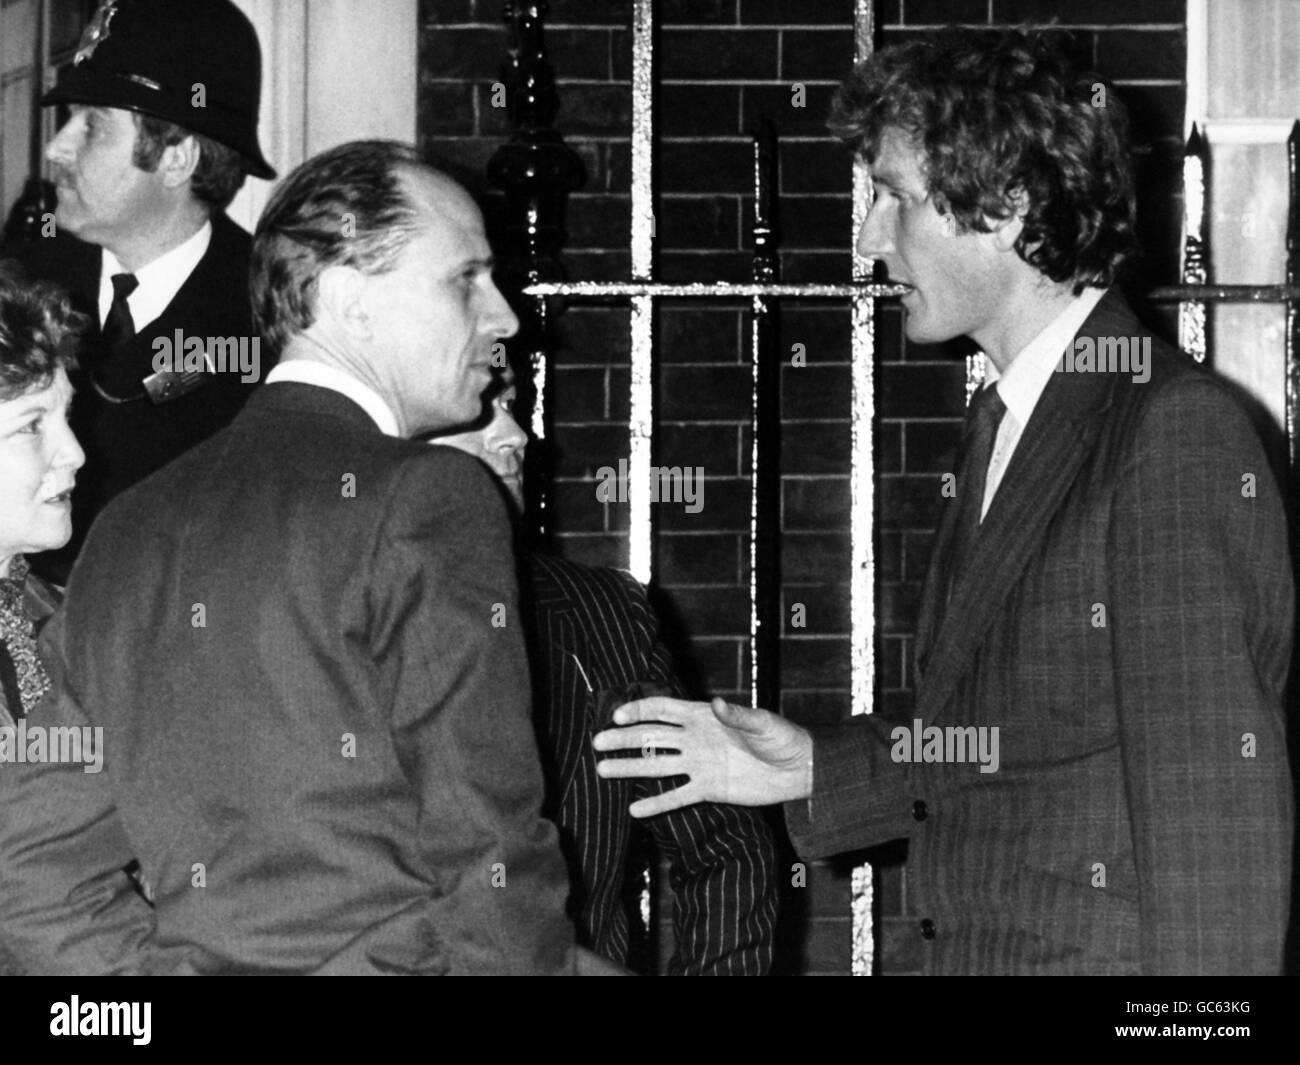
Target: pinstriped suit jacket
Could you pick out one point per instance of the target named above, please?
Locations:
(595, 628)
(1126, 622)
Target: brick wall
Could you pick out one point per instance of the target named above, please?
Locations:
(721, 64)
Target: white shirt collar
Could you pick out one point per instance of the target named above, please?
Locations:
(159, 281)
(1023, 383)
(310, 372)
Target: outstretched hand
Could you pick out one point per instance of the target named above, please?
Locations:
(730, 753)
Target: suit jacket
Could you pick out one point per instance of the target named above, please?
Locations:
(126, 442)
(1125, 620)
(318, 743)
(594, 632)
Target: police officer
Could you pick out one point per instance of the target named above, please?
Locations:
(163, 130)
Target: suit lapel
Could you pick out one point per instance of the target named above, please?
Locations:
(1061, 433)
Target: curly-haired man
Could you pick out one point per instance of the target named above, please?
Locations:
(1094, 779)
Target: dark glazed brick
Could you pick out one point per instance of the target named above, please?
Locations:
(920, 390)
(816, 267)
(723, 503)
(901, 948)
(932, 446)
(446, 107)
(706, 223)
(825, 609)
(910, 502)
(594, 334)
(815, 556)
(824, 330)
(468, 153)
(815, 447)
(594, 109)
(705, 166)
(815, 166)
(717, 55)
(916, 553)
(579, 12)
(1095, 12)
(695, 110)
(691, 333)
(889, 447)
(708, 559)
(821, 503)
(945, 12)
(714, 447)
(693, 12)
(582, 449)
(435, 12)
(598, 265)
(704, 393)
(778, 102)
(574, 508)
(461, 54)
(813, 221)
(577, 394)
(817, 662)
(815, 392)
(889, 665)
(896, 608)
(687, 267)
(719, 662)
(1076, 44)
(816, 55)
(815, 708)
(1141, 55)
(786, 13)
(602, 221)
(715, 611)
(889, 555)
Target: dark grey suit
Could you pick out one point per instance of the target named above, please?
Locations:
(1126, 621)
(317, 720)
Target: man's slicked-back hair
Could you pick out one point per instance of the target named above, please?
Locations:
(345, 207)
(997, 120)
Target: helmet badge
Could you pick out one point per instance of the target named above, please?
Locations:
(96, 31)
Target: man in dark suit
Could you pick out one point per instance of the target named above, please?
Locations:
(163, 130)
(1094, 779)
(319, 742)
(593, 641)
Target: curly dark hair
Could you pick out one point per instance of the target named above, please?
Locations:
(999, 120)
(220, 171)
(38, 333)
(344, 207)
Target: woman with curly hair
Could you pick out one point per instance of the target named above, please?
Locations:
(39, 459)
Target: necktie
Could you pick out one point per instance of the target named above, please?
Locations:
(117, 376)
(978, 435)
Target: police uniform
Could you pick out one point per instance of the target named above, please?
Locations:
(149, 56)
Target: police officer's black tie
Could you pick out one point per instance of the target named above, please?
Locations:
(117, 372)
(978, 434)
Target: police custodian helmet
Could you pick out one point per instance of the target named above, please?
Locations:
(192, 62)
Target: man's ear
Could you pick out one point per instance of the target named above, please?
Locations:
(341, 301)
(179, 161)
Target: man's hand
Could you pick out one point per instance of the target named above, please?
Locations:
(731, 753)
